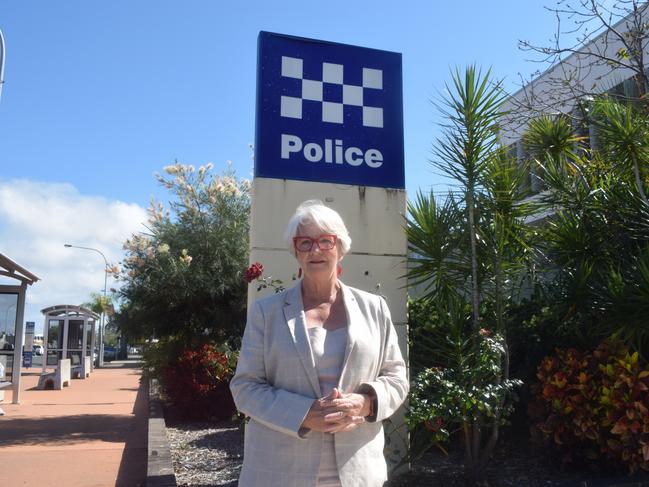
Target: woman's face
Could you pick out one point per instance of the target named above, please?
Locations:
(317, 263)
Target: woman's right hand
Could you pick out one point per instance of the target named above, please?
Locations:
(319, 416)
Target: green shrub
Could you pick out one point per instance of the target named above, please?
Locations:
(182, 279)
(469, 390)
(592, 406)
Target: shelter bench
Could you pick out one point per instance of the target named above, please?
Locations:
(78, 370)
(58, 379)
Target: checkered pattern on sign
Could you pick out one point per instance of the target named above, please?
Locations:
(332, 112)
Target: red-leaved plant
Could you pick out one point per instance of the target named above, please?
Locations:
(593, 406)
(197, 382)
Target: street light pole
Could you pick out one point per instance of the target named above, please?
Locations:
(2, 61)
(103, 314)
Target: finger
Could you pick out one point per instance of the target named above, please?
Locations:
(326, 402)
(343, 403)
(333, 417)
(330, 398)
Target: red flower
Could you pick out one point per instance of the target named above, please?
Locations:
(253, 272)
(434, 425)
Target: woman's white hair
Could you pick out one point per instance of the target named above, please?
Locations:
(316, 213)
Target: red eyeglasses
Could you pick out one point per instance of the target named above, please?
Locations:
(324, 242)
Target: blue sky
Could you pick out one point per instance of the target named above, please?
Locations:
(103, 94)
(99, 96)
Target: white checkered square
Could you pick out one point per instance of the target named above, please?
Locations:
(332, 112)
(332, 73)
(373, 117)
(291, 107)
(353, 95)
(372, 78)
(311, 90)
(291, 67)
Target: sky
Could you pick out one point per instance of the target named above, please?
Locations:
(100, 96)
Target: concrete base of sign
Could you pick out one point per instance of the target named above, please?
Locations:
(376, 262)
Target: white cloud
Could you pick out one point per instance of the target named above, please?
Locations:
(37, 218)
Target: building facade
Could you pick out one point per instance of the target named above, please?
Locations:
(605, 65)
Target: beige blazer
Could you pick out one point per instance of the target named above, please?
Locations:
(276, 382)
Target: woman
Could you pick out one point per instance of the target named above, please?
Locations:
(319, 369)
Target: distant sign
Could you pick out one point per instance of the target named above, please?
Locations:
(29, 335)
(328, 112)
(27, 359)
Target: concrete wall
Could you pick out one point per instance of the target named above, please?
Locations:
(375, 263)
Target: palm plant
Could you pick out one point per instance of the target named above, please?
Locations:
(469, 139)
(466, 252)
(597, 240)
(435, 241)
(624, 133)
(99, 304)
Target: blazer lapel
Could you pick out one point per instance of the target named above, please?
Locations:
(295, 319)
(355, 327)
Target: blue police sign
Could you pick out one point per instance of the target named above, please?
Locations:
(328, 112)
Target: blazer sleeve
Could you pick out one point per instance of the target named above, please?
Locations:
(276, 408)
(391, 386)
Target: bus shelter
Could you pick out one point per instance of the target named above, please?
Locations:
(68, 333)
(12, 313)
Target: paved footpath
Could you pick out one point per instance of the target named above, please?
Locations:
(91, 434)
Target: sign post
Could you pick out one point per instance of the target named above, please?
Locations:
(329, 126)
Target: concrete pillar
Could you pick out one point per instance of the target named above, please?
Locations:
(19, 342)
(376, 262)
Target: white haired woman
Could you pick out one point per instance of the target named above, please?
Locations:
(319, 369)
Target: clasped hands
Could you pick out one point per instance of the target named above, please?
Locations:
(337, 412)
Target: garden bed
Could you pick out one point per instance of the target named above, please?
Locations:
(210, 454)
(206, 454)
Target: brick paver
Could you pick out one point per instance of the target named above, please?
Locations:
(91, 434)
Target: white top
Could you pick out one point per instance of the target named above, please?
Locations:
(328, 348)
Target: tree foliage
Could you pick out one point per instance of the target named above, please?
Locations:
(595, 240)
(592, 37)
(98, 303)
(183, 277)
(467, 254)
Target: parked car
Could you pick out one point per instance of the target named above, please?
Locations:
(38, 350)
(110, 353)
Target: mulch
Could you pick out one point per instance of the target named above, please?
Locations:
(210, 454)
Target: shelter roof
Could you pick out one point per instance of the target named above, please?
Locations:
(69, 309)
(10, 269)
